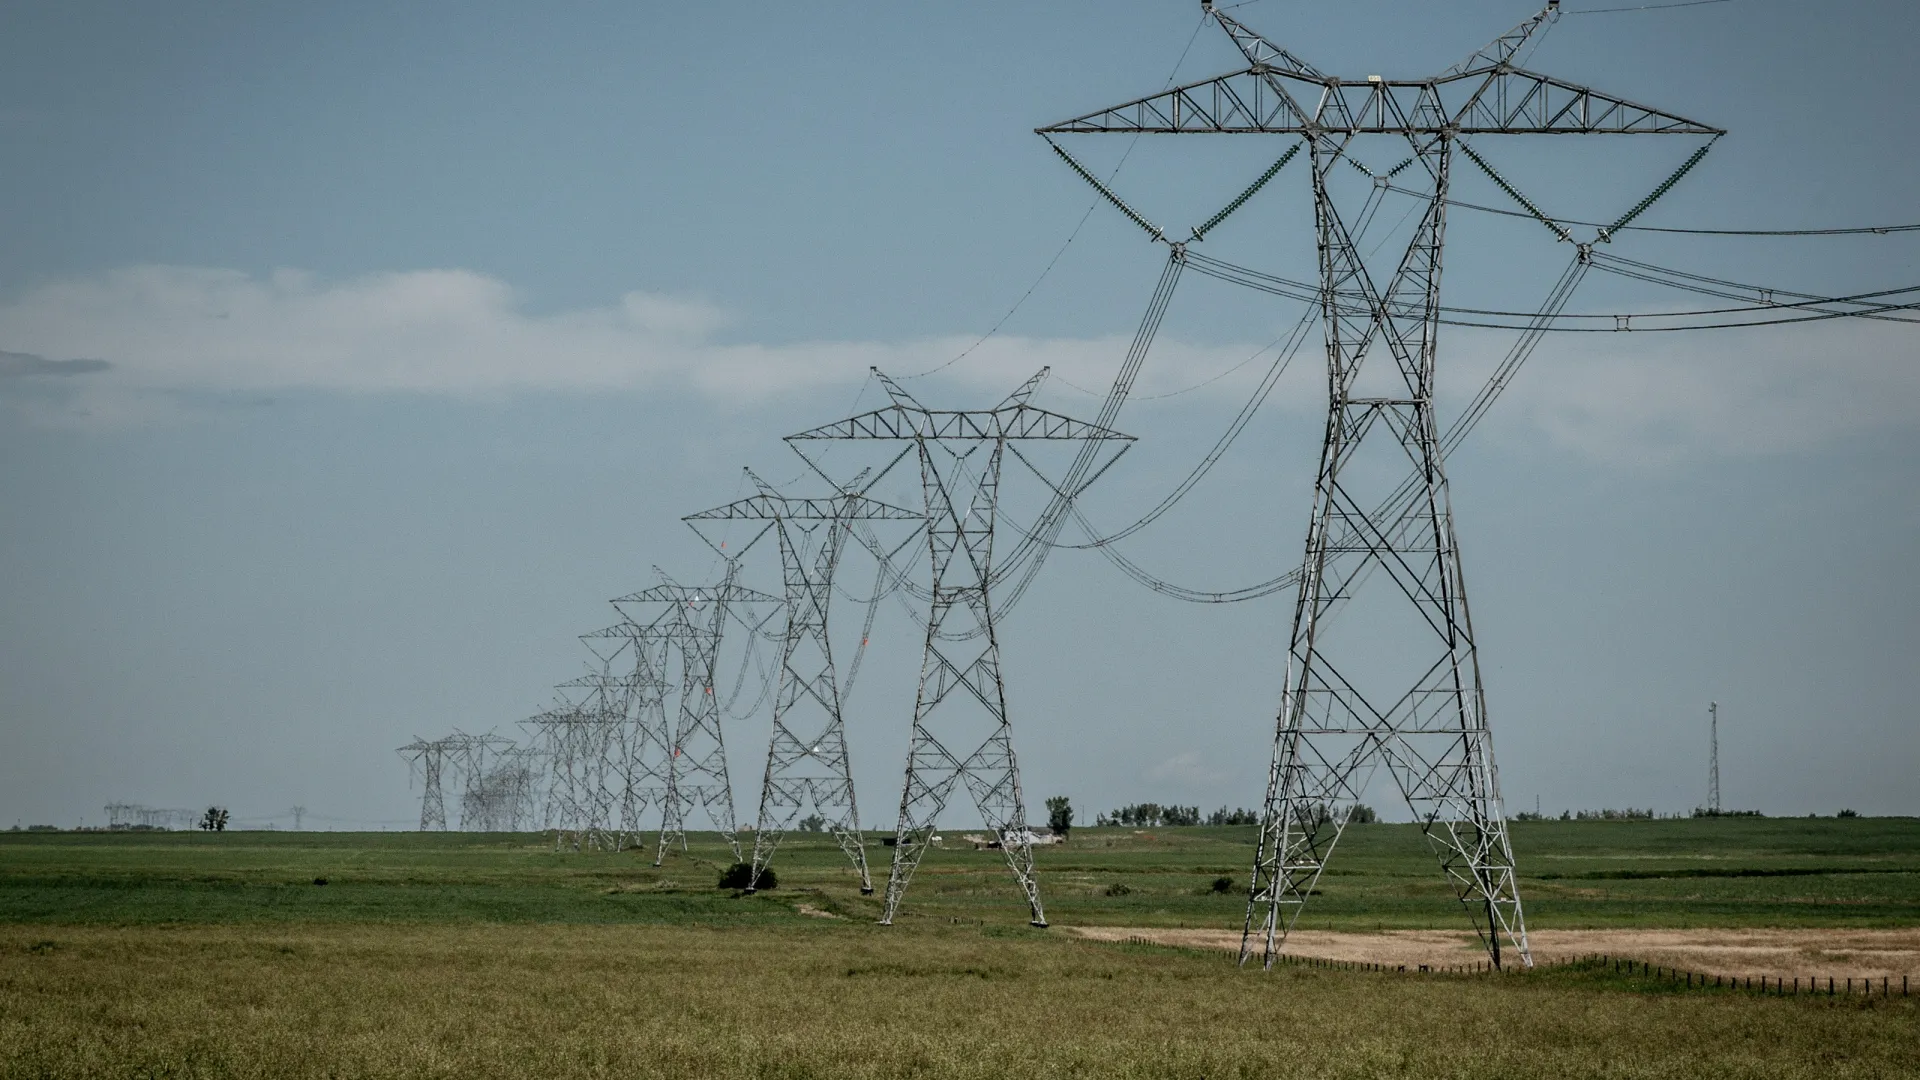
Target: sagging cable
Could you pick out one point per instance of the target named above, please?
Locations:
(1501, 182)
(1252, 189)
(1106, 193)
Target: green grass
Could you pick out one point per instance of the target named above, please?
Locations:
(828, 999)
(458, 955)
(1733, 872)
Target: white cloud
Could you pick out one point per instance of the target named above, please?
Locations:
(1653, 398)
(171, 328)
(169, 332)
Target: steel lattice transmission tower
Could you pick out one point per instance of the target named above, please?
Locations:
(1346, 708)
(694, 618)
(812, 763)
(579, 737)
(961, 731)
(467, 755)
(640, 746)
(430, 758)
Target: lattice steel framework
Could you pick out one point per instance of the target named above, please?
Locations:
(810, 765)
(429, 757)
(640, 744)
(1343, 710)
(694, 618)
(468, 757)
(960, 454)
(583, 736)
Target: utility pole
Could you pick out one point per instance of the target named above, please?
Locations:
(1713, 758)
(1382, 509)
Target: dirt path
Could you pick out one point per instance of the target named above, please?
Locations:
(1841, 953)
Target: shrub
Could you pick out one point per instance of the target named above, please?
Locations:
(740, 876)
(1223, 884)
(1848, 813)
(1117, 889)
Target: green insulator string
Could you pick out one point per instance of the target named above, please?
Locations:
(1253, 188)
(1501, 181)
(1118, 203)
(1606, 234)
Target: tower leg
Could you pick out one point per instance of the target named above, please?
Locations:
(1407, 692)
(960, 541)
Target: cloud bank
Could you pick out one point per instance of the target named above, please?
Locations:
(148, 333)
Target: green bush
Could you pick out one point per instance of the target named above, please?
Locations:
(740, 876)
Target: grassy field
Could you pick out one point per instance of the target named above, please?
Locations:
(149, 955)
(1717, 872)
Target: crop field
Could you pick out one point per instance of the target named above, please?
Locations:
(172, 954)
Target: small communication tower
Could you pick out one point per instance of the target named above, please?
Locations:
(1713, 758)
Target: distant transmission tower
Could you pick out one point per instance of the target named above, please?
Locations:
(964, 736)
(1713, 758)
(807, 751)
(1404, 689)
(641, 740)
(695, 617)
(429, 758)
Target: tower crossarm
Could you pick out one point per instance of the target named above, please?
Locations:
(847, 507)
(1500, 51)
(1497, 101)
(1262, 53)
(1010, 422)
(698, 594)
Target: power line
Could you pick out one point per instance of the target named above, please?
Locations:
(1850, 230)
(1646, 7)
(1068, 242)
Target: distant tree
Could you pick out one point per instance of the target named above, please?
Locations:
(1362, 814)
(215, 819)
(1848, 813)
(813, 823)
(1148, 815)
(1237, 816)
(1060, 815)
(1181, 815)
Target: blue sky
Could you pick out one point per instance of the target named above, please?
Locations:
(423, 326)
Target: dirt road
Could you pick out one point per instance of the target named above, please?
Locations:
(1819, 952)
